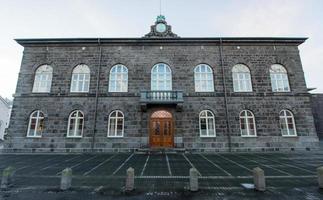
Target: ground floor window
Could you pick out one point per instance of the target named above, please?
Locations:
(116, 124)
(207, 125)
(287, 123)
(36, 124)
(247, 124)
(75, 124)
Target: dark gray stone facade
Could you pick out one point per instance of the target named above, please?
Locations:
(139, 55)
(317, 107)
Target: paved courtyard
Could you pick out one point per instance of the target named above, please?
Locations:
(165, 175)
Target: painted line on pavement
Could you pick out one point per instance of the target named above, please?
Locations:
(217, 166)
(97, 166)
(192, 164)
(144, 168)
(123, 164)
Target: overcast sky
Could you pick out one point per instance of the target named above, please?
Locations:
(132, 18)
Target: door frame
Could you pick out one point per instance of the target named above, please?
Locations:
(172, 128)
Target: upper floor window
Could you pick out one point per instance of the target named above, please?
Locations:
(279, 78)
(203, 76)
(118, 81)
(36, 124)
(207, 125)
(43, 79)
(75, 124)
(161, 77)
(287, 123)
(80, 79)
(116, 124)
(241, 78)
(247, 124)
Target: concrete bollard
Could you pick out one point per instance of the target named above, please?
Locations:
(320, 176)
(194, 181)
(7, 177)
(130, 181)
(66, 180)
(259, 179)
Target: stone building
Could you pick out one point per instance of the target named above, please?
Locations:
(161, 91)
(5, 108)
(317, 107)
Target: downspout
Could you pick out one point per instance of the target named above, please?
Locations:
(228, 132)
(97, 94)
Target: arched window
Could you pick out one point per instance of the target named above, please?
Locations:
(279, 78)
(36, 124)
(241, 78)
(207, 126)
(75, 124)
(287, 123)
(118, 81)
(43, 79)
(161, 77)
(203, 77)
(116, 124)
(247, 124)
(80, 79)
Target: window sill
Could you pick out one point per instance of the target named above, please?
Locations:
(248, 136)
(114, 136)
(33, 136)
(74, 137)
(208, 136)
(289, 136)
(79, 92)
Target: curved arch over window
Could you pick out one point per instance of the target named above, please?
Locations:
(161, 114)
(43, 79)
(279, 78)
(207, 125)
(161, 77)
(36, 124)
(247, 124)
(75, 124)
(203, 77)
(116, 124)
(118, 81)
(80, 79)
(241, 78)
(287, 123)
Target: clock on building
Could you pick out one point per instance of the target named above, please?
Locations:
(161, 27)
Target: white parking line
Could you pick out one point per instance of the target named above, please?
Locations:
(52, 165)
(123, 164)
(215, 165)
(143, 169)
(289, 165)
(242, 166)
(191, 164)
(281, 171)
(97, 166)
(84, 161)
(168, 166)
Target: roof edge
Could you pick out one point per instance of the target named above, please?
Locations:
(41, 41)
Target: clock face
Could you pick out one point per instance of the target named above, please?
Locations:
(161, 28)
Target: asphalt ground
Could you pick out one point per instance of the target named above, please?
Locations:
(168, 173)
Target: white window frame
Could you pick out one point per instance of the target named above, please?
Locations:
(244, 114)
(78, 71)
(119, 78)
(116, 124)
(162, 78)
(77, 119)
(279, 78)
(200, 77)
(207, 124)
(285, 118)
(241, 77)
(43, 76)
(38, 118)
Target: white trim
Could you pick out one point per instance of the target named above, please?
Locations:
(76, 125)
(278, 77)
(246, 79)
(124, 77)
(199, 74)
(37, 118)
(246, 119)
(43, 71)
(166, 75)
(116, 124)
(285, 118)
(76, 79)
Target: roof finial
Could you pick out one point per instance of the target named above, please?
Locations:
(160, 7)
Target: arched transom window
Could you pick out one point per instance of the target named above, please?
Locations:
(43, 79)
(161, 77)
(207, 125)
(75, 124)
(203, 76)
(36, 124)
(247, 124)
(241, 78)
(116, 124)
(80, 79)
(287, 123)
(118, 81)
(279, 78)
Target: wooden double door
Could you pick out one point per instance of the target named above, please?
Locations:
(161, 130)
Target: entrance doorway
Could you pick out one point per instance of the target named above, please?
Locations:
(161, 129)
